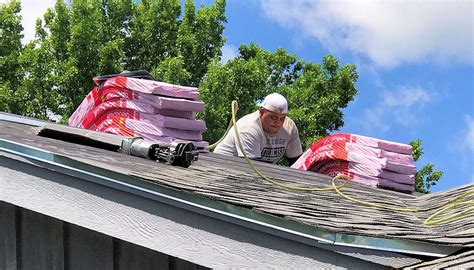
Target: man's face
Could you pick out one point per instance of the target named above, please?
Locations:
(271, 122)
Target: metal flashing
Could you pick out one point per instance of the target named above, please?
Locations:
(21, 120)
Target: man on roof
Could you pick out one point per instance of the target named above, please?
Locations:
(266, 134)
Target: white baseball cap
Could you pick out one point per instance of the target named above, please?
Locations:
(275, 103)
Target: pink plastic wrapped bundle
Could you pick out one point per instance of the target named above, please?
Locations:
(397, 157)
(384, 183)
(142, 107)
(361, 169)
(379, 153)
(117, 103)
(121, 103)
(361, 158)
(103, 93)
(152, 119)
(366, 141)
(164, 105)
(86, 105)
(366, 175)
(333, 150)
(136, 126)
(178, 114)
(152, 87)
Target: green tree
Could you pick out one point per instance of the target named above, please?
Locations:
(82, 39)
(200, 38)
(39, 96)
(153, 33)
(427, 176)
(198, 42)
(114, 27)
(10, 51)
(83, 49)
(316, 92)
(172, 70)
(58, 26)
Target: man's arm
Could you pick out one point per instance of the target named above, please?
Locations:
(293, 160)
(294, 149)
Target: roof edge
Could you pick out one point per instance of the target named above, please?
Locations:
(292, 230)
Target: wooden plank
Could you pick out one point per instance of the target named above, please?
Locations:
(7, 237)
(40, 242)
(130, 256)
(87, 249)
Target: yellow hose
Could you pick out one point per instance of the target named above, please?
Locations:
(431, 220)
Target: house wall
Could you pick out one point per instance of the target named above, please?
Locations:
(97, 222)
(29, 240)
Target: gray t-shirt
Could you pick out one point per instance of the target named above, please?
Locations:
(260, 145)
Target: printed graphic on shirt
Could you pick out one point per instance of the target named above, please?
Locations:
(271, 153)
(275, 141)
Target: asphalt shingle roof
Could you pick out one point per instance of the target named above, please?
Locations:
(230, 180)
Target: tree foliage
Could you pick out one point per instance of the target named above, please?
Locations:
(76, 41)
(10, 51)
(427, 176)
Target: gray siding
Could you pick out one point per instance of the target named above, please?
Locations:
(34, 241)
(7, 236)
(40, 241)
(188, 239)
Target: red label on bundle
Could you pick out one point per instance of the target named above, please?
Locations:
(116, 125)
(114, 92)
(328, 149)
(98, 111)
(122, 113)
(333, 167)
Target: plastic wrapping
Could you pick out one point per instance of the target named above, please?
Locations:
(139, 107)
(152, 87)
(364, 159)
(138, 127)
(162, 105)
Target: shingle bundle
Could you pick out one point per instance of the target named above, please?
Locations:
(365, 160)
(150, 109)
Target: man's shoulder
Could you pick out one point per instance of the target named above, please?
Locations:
(289, 124)
(249, 120)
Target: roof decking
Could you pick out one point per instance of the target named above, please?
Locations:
(230, 180)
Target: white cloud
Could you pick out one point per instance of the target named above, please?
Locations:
(30, 11)
(389, 33)
(400, 106)
(228, 52)
(469, 137)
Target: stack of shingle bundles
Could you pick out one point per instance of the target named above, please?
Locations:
(365, 160)
(137, 107)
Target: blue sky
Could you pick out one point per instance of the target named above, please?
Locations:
(415, 61)
(414, 58)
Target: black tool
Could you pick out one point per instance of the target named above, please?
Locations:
(177, 153)
(139, 74)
